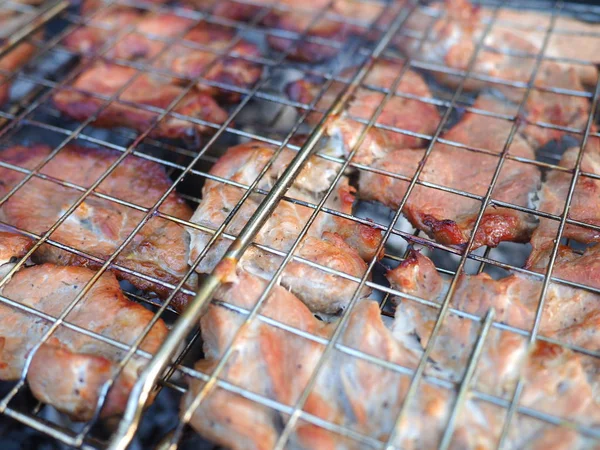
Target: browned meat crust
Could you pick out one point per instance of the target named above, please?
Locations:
(99, 226)
(404, 113)
(449, 217)
(70, 369)
(106, 79)
(188, 58)
(366, 397)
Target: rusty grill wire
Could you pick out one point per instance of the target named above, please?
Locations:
(32, 111)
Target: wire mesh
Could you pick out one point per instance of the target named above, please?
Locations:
(35, 114)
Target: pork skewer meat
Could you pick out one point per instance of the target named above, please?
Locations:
(415, 116)
(332, 241)
(449, 217)
(452, 42)
(69, 369)
(358, 394)
(150, 90)
(148, 44)
(98, 226)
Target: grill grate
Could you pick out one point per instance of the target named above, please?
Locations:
(31, 114)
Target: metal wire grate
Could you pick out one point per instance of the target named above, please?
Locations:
(32, 114)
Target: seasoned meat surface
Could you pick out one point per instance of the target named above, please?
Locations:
(452, 42)
(408, 114)
(194, 55)
(361, 395)
(332, 241)
(448, 217)
(69, 369)
(98, 226)
(108, 79)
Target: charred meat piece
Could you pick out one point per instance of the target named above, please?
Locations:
(362, 395)
(449, 217)
(408, 114)
(452, 42)
(195, 55)
(332, 241)
(145, 90)
(98, 226)
(570, 314)
(69, 370)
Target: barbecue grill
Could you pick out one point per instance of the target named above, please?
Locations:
(265, 114)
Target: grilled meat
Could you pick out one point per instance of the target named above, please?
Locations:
(570, 314)
(194, 55)
(404, 113)
(98, 226)
(341, 20)
(13, 246)
(69, 370)
(108, 79)
(448, 217)
(11, 21)
(452, 42)
(359, 394)
(553, 198)
(332, 241)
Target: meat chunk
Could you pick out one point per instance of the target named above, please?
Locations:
(10, 21)
(69, 369)
(107, 79)
(193, 56)
(340, 20)
(13, 246)
(332, 241)
(408, 114)
(358, 394)
(569, 314)
(448, 217)
(452, 43)
(98, 226)
(584, 203)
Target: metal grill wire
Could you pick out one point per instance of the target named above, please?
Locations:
(23, 119)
